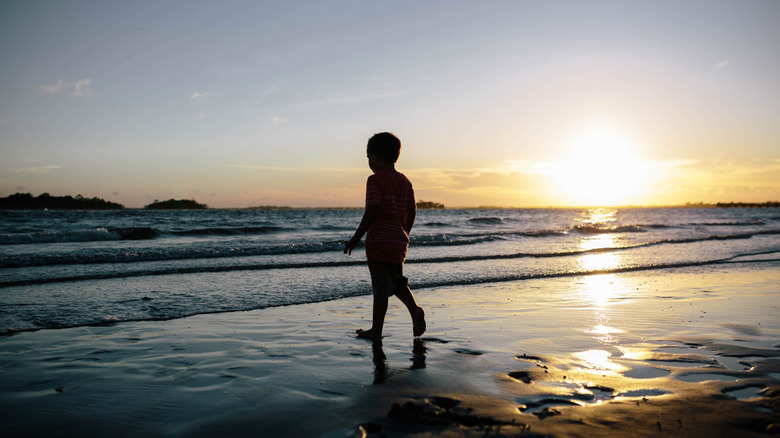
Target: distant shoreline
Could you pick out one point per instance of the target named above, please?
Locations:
(719, 205)
(26, 202)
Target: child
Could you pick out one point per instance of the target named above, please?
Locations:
(388, 218)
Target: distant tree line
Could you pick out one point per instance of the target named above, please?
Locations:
(26, 201)
(176, 204)
(748, 204)
(429, 204)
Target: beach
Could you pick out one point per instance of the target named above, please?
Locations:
(689, 351)
(584, 197)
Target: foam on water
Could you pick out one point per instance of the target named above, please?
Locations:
(65, 268)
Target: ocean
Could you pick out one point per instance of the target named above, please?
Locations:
(63, 269)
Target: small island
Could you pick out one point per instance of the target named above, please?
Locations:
(26, 201)
(176, 204)
(429, 205)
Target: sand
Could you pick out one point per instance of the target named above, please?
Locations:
(684, 352)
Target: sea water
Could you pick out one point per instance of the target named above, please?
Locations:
(69, 268)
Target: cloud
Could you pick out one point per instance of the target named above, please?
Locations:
(82, 88)
(278, 120)
(38, 169)
(79, 88)
(199, 95)
(54, 88)
(721, 64)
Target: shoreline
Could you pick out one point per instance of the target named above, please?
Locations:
(719, 205)
(631, 354)
(112, 321)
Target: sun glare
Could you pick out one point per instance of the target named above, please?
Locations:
(601, 168)
(599, 361)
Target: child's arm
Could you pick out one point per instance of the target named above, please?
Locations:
(372, 211)
(410, 220)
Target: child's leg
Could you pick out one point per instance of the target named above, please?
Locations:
(416, 312)
(382, 283)
(404, 294)
(380, 310)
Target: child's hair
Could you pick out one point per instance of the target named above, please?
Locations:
(387, 145)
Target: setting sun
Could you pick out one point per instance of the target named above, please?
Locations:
(601, 167)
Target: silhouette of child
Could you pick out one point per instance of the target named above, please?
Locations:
(388, 218)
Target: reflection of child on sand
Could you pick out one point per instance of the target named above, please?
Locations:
(388, 218)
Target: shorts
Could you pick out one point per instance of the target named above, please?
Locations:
(387, 278)
(391, 252)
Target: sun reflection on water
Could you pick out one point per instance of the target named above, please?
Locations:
(604, 330)
(603, 261)
(600, 291)
(599, 216)
(599, 361)
(597, 223)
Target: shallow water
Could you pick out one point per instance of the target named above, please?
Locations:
(618, 349)
(69, 268)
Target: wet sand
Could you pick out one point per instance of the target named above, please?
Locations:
(682, 352)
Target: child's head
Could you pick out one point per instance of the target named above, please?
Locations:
(387, 145)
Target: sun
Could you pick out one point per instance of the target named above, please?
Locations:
(601, 167)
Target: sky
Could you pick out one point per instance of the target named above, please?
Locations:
(497, 103)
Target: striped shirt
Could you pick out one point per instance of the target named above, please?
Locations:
(388, 237)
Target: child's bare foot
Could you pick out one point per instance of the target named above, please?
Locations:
(368, 334)
(418, 322)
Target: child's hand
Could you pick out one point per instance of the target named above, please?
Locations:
(353, 242)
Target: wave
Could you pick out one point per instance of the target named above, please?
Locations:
(728, 224)
(165, 254)
(206, 252)
(436, 224)
(641, 228)
(724, 236)
(487, 220)
(39, 324)
(335, 228)
(302, 265)
(451, 239)
(135, 233)
(601, 229)
(96, 235)
(578, 229)
(577, 273)
(230, 231)
(500, 234)
(656, 226)
(213, 252)
(148, 233)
